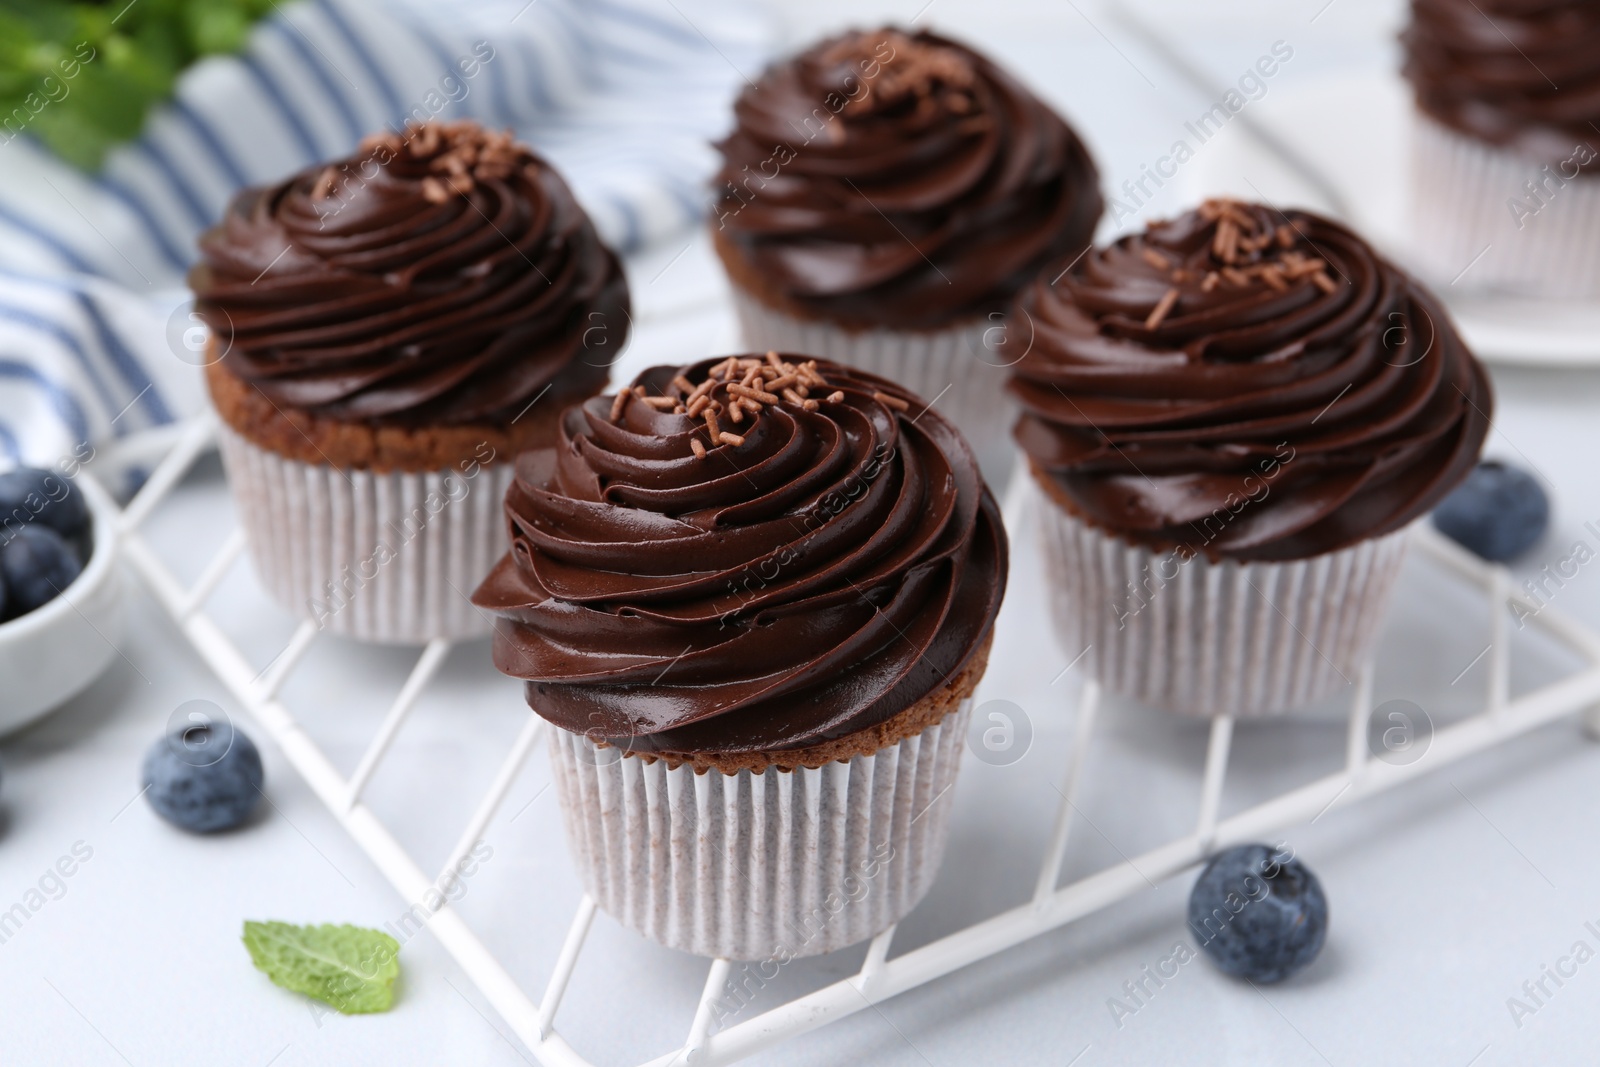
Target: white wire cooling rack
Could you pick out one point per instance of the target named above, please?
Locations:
(533, 1018)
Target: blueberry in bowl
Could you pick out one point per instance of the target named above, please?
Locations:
(1259, 913)
(36, 564)
(60, 594)
(36, 495)
(46, 538)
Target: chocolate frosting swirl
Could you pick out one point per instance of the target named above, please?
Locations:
(811, 575)
(900, 180)
(443, 277)
(1524, 74)
(1247, 384)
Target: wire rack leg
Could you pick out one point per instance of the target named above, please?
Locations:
(274, 674)
(1056, 851)
(565, 964)
(1355, 738)
(877, 952)
(215, 571)
(491, 801)
(1217, 749)
(716, 978)
(194, 440)
(1499, 640)
(428, 665)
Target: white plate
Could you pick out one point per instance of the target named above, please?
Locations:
(1354, 131)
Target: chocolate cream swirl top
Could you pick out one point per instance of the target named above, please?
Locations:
(900, 180)
(747, 555)
(445, 276)
(1245, 384)
(1520, 73)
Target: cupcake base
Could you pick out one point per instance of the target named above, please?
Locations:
(376, 532)
(768, 864)
(390, 558)
(1463, 197)
(1201, 638)
(960, 371)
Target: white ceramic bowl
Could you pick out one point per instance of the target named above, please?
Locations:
(51, 654)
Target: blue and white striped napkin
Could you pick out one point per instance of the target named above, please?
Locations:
(96, 339)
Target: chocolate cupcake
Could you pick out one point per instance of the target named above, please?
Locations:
(1234, 418)
(1506, 154)
(883, 198)
(388, 331)
(754, 598)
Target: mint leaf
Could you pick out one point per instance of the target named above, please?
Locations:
(349, 967)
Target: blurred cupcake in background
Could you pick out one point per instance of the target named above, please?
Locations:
(388, 331)
(754, 598)
(1506, 154)
(882, 198)
(1234, 418)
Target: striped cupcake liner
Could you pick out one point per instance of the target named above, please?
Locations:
(772, 865)
(1203, 638)
(389, 558)
(961, 371)
(1464, 226)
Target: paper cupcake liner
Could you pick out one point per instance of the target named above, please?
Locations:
(959, 370)
(1204, 638)
(388, 558)
(1462, 192)
(760, 866)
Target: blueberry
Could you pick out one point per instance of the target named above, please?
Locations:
(1258, 914)
(28, 494)
(82, 546)
(204, 778)
(36, 565)
(1499, 512)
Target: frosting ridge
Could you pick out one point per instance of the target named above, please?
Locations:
(900, 180)
(749, 554)
(1518, 73)
(445, 275)
(1248, 384)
